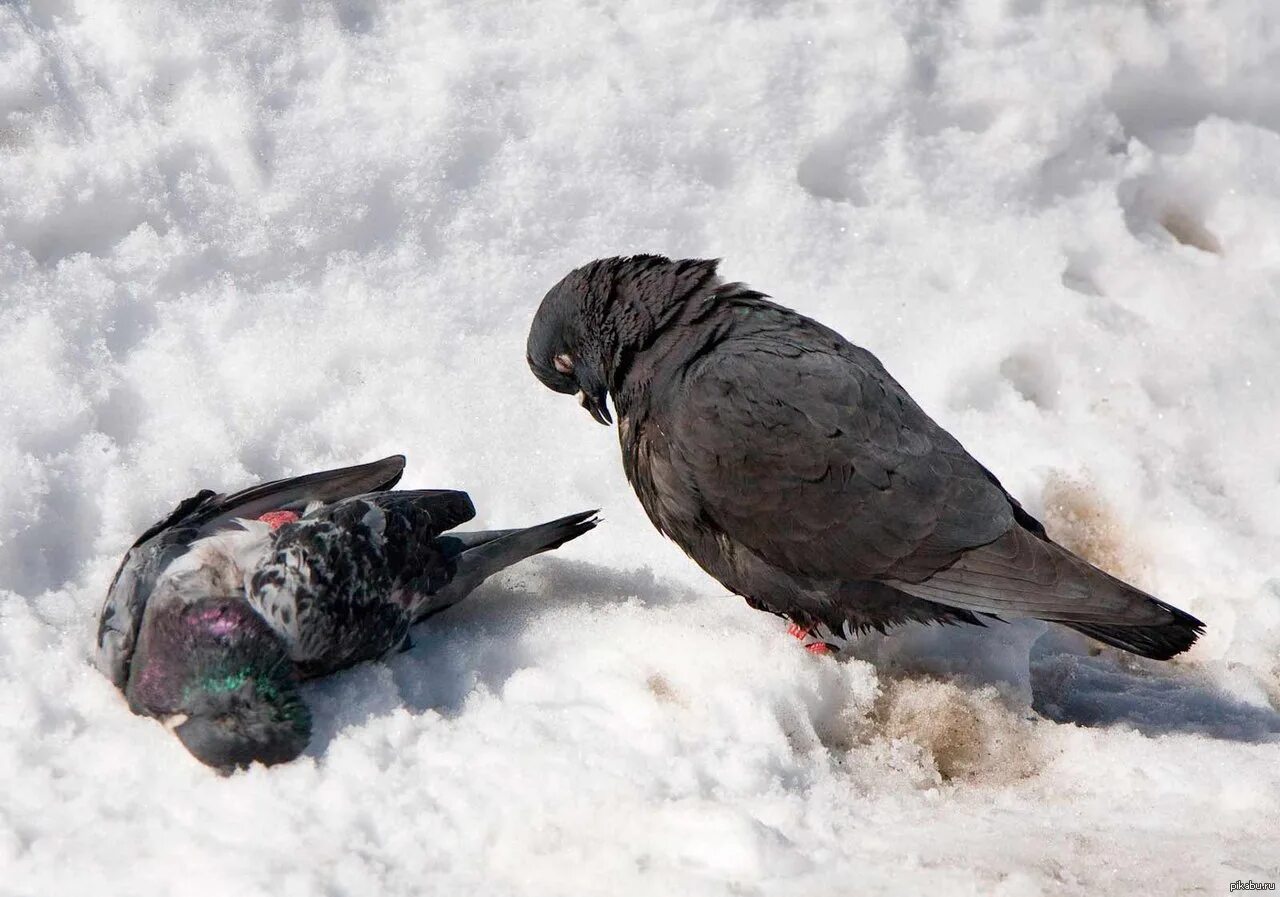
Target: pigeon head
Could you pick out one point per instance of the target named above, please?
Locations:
(567, 348)
(221, 680)
(591, 324)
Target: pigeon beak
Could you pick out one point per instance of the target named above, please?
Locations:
(596, 406)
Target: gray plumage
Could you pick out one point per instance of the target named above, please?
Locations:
(793, 468)
(201, 515)
(221, 608)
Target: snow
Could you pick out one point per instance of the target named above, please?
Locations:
(245, 240)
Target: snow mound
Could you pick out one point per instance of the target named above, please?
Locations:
(245, 240)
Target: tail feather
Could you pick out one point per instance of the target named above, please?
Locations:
(1022, 575)
(479, 555)
(1157, 642)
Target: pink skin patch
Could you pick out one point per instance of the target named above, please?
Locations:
(218, 621)
(277, 519)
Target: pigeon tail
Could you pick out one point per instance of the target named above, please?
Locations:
(1159, 642)
(481, 554)
(1022, 575)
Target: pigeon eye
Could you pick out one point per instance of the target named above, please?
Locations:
(563, 363)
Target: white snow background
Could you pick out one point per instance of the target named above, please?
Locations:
(241, 240)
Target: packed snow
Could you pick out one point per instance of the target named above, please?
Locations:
(243, 240)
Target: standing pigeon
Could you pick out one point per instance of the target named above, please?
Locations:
(219, 609)
(792, 468)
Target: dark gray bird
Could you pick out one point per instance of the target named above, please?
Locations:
(221, 608)
(792, 468)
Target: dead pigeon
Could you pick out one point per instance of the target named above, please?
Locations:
(792, 468)
(221, 608)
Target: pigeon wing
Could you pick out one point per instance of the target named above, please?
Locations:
(325, 486)
(820, 463)
(135, 578)
(339, 584)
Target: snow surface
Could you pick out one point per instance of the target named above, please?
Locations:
(241, 240)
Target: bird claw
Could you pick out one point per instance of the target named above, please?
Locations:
(796, 631)
(819, 648)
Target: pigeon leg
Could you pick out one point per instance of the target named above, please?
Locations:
(797, 631)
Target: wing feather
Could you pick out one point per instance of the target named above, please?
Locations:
(819, 462)
(340, 585)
